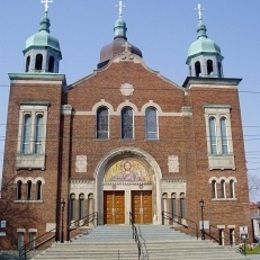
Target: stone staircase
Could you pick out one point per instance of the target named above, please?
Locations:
(160, 243)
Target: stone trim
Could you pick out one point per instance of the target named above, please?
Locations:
(21, 230)
(32, 230)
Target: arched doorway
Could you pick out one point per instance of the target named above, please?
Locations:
(128, 180)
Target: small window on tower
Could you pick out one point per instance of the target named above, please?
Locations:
(28, 60)
(210, 67)
(51, 64)
(38, 62)
(197, 69)
(32, 136)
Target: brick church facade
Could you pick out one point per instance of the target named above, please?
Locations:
(123, 139)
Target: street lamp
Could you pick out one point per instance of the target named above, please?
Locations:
(202, 203)
(62, 220)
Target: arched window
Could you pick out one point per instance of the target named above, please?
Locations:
(102, 123)
(223, 129)
(214, 189)
(223, 189)
(182, 205)
(39, 190)
(127, 121)
(72, 206)
(212, 135)
(81, 206)
(26, 135)
(27, 66)
(209, 67)
(51, 64)
(232, 189)
(197, 69)
(174, 205)
(19, 190)
(38, 62)
(151, 123)
(29, 190)
(38, 134)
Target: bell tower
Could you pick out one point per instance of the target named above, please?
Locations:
(204, 55)
(42, 51)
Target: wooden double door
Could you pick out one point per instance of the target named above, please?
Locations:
(114, 207)
(142, 207)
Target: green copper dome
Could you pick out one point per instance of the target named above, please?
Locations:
(203, 45)
(43, 38)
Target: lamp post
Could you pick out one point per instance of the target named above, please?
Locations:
(62, 220)
(202, 203)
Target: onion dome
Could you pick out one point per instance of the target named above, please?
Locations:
(42, 51)
(118, 45)
(204, 55)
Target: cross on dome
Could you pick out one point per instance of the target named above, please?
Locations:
(200, 10)
(120, 6)
(46, 4)
(127, 46)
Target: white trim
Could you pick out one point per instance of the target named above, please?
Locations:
(32, 230)
(221, 226)
(21, 230)
(28, 201)
(210, 86)
(34, 82)
(151, 103)
(231, 226)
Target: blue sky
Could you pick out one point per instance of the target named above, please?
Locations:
(163, 30)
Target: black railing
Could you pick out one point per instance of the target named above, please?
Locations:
(36, 243)
(48, 236)
(184, 222)
(140, 246)
(213, 233)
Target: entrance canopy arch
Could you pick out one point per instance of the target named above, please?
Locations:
(128, 157)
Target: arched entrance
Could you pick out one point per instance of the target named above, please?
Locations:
(128, 180)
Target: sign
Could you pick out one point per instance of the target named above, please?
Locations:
(3, 224)
(3, 234)
(206, 224)
(243, 230)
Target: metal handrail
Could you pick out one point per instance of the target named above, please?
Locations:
(172, 217)
(136, 237)
(210, 235)
(25, 249)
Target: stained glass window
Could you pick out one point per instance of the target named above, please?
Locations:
(223, 127)
(102, 123)
(127, 123)
(212, 135)
(151, 123)
(26, 134)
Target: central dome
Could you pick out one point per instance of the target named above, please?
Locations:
(118, 45)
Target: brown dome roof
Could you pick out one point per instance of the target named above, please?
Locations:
(117, 46)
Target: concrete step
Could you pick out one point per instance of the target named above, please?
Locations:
(160, 242)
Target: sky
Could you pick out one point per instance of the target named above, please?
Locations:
(163, 30)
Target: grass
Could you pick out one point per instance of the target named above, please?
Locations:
(252, 250)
